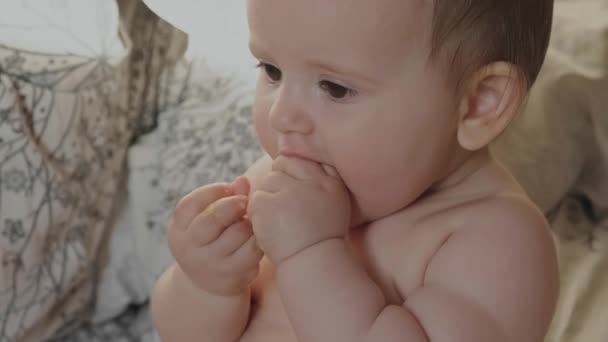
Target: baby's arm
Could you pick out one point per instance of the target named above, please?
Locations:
(494, 280)
(185, 313)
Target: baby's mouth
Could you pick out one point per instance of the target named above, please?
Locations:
(328, 169)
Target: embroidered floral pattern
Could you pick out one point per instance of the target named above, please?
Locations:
(13, 230)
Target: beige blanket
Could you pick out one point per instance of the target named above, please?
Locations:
(559, 150)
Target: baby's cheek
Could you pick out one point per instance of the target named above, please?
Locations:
(356, 196)
(372, 194)
(265, 135)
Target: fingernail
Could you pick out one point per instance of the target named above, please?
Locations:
(229, 190)
(211, 210)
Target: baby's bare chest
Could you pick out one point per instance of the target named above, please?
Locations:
(385, 255)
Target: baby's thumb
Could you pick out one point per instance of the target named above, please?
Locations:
(241, 186)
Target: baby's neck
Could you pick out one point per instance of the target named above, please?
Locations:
(464, 175)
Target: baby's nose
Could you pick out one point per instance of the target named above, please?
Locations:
(289, 115)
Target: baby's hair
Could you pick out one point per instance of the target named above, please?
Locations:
(468, 34)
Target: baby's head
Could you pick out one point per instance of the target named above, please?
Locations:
(394, 94)
(468, 34)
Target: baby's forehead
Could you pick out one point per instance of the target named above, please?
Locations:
(376, 14)
(363, 25)
(388, 17)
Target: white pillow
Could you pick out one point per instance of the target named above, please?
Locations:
(217, 31)
(205, 139)
(63, 27)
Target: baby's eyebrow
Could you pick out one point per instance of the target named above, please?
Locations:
(341, 70)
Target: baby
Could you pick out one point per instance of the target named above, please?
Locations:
(379, 214)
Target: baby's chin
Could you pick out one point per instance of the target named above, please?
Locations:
(364, 213)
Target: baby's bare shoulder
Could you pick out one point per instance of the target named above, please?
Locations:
(510, 213)
(505, 226)
(497, 261)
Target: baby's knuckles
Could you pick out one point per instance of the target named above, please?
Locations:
(298, 216)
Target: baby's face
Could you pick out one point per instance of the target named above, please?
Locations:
(348, 83)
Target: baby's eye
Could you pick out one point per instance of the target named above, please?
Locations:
(335, 90)
(273, 73)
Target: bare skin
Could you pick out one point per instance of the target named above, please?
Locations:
(425, 252)
(420, 246)
(379, 214)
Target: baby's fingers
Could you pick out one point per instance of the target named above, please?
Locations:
(232, 238)
(241, 186)
(209, 225)
(192, 204)
(247, 256)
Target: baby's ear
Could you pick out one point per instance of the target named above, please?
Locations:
(492, 98)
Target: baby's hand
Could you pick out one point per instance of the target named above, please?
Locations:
(212, 241)
(297, 205)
